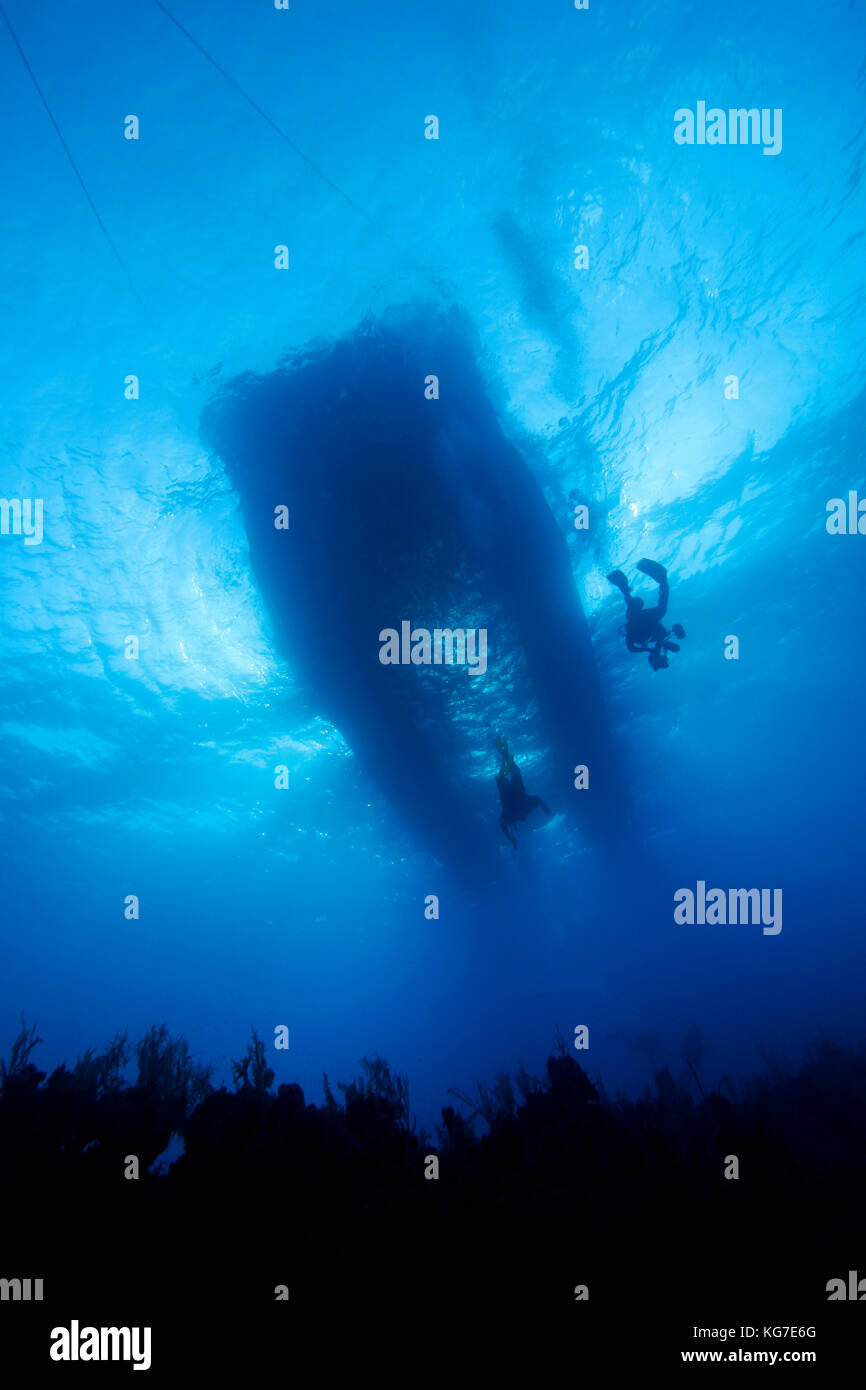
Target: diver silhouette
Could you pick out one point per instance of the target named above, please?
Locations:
(516, 804)
(643, 626)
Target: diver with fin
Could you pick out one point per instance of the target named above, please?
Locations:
(643, 626)
(516, 805)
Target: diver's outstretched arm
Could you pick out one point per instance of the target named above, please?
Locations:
(657, 659)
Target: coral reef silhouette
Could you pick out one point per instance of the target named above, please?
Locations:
(544, 1184)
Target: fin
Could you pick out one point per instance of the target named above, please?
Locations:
(617, 578)
(653, 569)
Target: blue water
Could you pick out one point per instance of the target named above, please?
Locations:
(154, 777)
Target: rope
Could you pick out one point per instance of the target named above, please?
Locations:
(273, 125)
(102, 227)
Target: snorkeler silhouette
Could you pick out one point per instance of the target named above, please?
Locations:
(643, 627)
(516, 805)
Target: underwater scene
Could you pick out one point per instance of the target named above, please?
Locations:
(433, 545)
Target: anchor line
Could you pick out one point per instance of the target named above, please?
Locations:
(273, 125)
(66, 150)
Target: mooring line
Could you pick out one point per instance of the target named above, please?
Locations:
(282, 134)
(102, 227)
